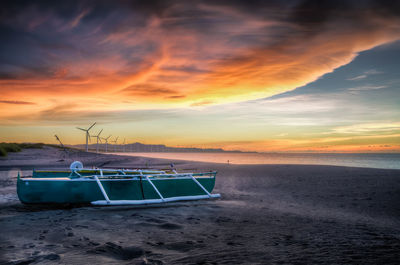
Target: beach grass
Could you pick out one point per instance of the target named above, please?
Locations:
(6, 148)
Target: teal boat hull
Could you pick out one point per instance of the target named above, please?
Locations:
(51, 187)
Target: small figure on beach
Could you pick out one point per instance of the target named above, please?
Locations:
(173, 167)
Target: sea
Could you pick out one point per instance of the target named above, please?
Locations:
(371, 160)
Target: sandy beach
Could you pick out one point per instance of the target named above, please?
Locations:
(268, 214)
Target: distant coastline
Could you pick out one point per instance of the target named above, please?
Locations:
(158, 148)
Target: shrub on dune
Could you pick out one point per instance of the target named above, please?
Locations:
(2, 151)
(11, 147)
(14, 147)
(31, 145)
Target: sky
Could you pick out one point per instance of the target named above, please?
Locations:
(268, 76)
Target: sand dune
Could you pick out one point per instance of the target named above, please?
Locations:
(267, 214)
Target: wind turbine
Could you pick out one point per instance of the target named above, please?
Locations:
(87, 135)
(106, 139)
(98, 140)
(65, 153)
(58, 139)
(115, 144)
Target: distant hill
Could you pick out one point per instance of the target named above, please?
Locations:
(139, 147)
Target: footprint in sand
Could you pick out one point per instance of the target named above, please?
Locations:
(38, 259)
(170, 226)
(154, 220)
(178, 246)
(118, 252)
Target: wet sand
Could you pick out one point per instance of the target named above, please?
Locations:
(279, 214)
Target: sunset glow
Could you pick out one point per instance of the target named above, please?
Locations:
(296, 77)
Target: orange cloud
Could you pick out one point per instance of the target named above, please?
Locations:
(167, 59)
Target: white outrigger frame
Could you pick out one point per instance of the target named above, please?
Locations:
(122, 171)
(162, 199)
(78, 166)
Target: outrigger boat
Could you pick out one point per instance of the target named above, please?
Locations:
(114, 186)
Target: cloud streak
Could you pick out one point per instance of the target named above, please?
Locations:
(369, 128)
(364, 75)
(366, 87)
(16, 102)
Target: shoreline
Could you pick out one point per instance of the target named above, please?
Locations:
(93, 159)
(167, 162)
(347, 160)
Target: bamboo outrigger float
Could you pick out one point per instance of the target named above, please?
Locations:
(114, 186)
